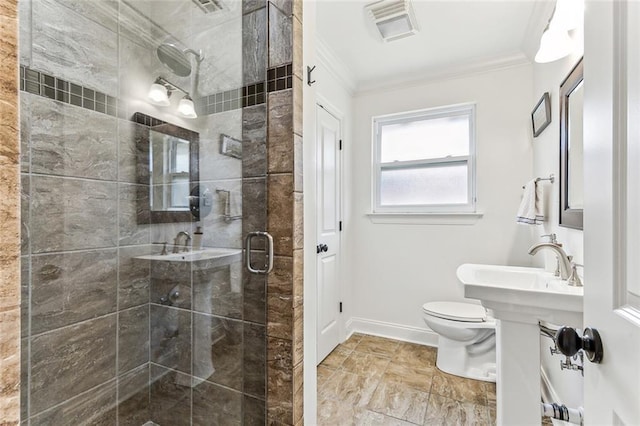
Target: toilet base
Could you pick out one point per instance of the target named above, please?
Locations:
(454, 358)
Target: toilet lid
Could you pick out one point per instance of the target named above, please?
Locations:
(456, 311)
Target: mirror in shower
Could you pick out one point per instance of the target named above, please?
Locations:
(168, 169)
(571, 148)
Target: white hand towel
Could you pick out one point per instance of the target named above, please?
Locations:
(235, 205)
(531, 211)
(232, 204)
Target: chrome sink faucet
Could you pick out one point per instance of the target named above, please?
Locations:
(554, 239)
(176, 241)
(564, 261)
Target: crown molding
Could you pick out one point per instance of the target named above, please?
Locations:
(418, 78)
(334, 66)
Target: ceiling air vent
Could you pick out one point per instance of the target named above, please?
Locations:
(394, 19)
(209, 6)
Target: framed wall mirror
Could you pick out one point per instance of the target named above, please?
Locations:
(571, 148)
(167, 169)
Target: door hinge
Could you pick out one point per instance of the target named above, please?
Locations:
(340, 307)
(340, 145)
(340, 225)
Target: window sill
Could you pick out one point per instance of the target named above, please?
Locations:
(426, 218)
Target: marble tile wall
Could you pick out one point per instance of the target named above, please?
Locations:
(118, 353)
(82, 287)
(284, 219)
(61, 38)
(85, 301)
(9, 219)
(269, 129)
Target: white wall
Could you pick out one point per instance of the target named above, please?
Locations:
(395, 268)
(390, 270)
(546, 152)
(567, 385)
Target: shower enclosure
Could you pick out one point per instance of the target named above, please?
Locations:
(144, 128)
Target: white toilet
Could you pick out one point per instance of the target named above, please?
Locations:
(466, 341)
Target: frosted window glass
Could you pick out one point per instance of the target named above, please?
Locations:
(425, 139)
(181, 156)
(180, 191)
(430, 185)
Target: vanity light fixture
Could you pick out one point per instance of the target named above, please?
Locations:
(555, 42)
(186, 108)
(569, 14)
(160, 92)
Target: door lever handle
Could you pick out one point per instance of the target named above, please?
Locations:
(570, 342)
(322, 248)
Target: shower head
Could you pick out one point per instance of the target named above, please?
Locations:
(176, 59)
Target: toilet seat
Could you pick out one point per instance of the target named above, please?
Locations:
(456, 311)
(466, 338)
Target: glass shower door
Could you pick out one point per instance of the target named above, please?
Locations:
(144, 166)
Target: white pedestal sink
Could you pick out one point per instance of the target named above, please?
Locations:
(520, 297)
(212, 256)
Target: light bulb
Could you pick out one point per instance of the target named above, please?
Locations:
(555, 43)
(186, 108)
(158, 95)
(569, 14)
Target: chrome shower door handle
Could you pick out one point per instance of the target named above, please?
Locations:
(269, 252)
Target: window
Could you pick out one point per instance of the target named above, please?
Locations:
(424, 161)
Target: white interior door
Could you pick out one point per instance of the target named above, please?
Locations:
(328, 236)
(612, 209)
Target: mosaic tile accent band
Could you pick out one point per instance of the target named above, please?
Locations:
(49, 86)
(280, 78)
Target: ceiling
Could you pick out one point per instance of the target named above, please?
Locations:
(455, 35)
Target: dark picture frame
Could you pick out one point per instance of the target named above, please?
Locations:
(541, 115)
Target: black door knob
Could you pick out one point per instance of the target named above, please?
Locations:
(570, 342)
(322, 248)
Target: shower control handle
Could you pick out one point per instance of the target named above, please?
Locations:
(570, 342)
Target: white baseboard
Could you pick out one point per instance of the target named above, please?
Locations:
(405, 333)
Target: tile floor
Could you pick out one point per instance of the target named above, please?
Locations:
(370, 380)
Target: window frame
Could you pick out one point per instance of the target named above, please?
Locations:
(469, 110)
